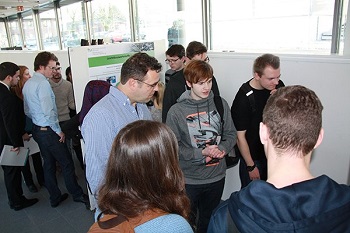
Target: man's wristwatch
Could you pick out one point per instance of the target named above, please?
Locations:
(251, 168)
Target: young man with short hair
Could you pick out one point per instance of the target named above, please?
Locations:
(204, 139)
(246, 110)
(40, 106)
(12, 121)
(175, 57)
(292, 199)
(177, 84)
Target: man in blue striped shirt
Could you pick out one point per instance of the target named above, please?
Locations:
(40, 106)
(123, 104)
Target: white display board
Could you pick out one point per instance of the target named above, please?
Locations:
(103, 62)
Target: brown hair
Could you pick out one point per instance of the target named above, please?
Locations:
(8, 69)
(175, 50)
(194, 48)
(43, 59)
(197, 70)
(137, 66)
(293, 116)
(159, 95)
(18, 88)
(265, 60)
(143, 172)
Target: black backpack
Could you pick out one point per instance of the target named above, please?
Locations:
(231, 161)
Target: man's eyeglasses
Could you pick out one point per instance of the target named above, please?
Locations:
(207, 59)
(150, 85)
(52, 68)
(171, 60)
(58, 68)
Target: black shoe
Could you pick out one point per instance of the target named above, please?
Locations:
(63, 197)
(83, 199)
(25, 203)
(32, 188)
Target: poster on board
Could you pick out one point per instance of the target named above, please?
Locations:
(104, 64)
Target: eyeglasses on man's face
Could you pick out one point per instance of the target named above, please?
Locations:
(171, 60)
(58, 68)
(207, 59)
(51, 68)
(150, 85)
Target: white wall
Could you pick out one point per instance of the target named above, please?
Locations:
(328, 76)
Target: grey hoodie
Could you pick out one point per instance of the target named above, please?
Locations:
(195, 124)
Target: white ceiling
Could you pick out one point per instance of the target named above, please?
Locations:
(9, 7)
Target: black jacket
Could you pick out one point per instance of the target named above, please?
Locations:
(316, 205)
(11, 119)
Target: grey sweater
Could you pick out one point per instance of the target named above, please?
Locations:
(195, 124)
(64, 98)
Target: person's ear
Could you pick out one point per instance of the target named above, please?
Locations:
(189, 84)
(320, 138)
(132, 82)
(263, 133)
(256, 76)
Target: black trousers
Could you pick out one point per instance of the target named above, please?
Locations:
(13, 179)
(38, 167)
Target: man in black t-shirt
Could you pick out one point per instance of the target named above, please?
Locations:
(246, 113)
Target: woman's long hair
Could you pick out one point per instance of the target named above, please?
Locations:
(18, 88)
(143, 172)
(159, 95)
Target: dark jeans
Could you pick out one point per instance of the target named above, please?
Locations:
(13, 179)
(38, 167)
(71, 130)
(244, 174)
(51, 151)
(204, 199)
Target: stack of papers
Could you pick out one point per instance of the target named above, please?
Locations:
(14, 158)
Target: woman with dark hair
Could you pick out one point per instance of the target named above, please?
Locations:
(24, 75)
(69, 74)
(144, 188)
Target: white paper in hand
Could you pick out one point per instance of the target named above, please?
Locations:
(14, 158)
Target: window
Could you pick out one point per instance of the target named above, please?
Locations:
(177, 21)
(49, 30)
(29, 33)
(73, 26)
(15, 33)
(3, 38)
(110, 20)
(291, 26)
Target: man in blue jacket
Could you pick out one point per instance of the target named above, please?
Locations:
(292, 199)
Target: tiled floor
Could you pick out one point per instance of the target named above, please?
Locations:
(68, 217)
